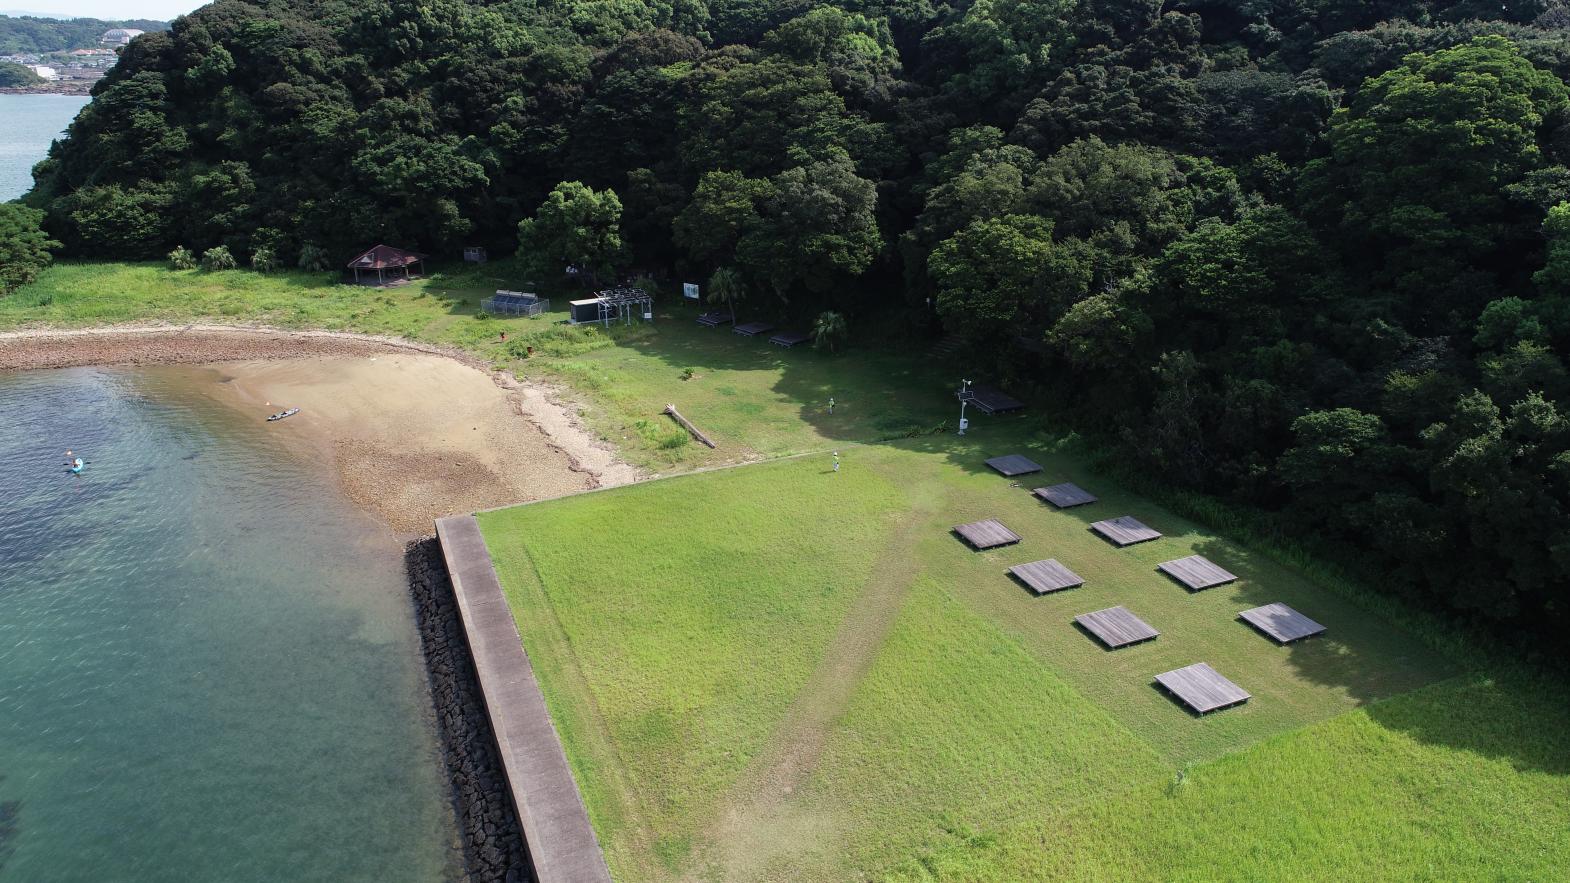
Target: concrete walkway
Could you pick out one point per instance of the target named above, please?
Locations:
(562, 845)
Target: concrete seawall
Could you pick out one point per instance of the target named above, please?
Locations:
(561, 844)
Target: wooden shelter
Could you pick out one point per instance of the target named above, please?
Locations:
(388, 264)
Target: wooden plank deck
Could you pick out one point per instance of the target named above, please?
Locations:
(1202, 688)
(715, 318)
(1046, 576)
(1125, 530)
(789, 339)
(1014, 464)
(1066, 495)
(994, 401)
(753, 329)
(987, 534)
(1116, 627)
(1197, 572)
(1281, 622)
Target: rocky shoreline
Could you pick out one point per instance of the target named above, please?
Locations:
(494, 849)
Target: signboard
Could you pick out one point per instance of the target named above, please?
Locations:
(689, 290)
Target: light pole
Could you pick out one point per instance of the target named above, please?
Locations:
(964, 399)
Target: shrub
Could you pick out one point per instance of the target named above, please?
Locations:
(182, 258)
(830, 331)
(218, 258)
(264, 260)
(24, 246)
(313, 258)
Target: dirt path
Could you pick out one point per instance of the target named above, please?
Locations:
(760, 821)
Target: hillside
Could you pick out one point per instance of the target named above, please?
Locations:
(33, 35)
(1311, 258)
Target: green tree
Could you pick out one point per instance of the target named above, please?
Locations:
(829, 331)
(264, 259)
(727, 287)
(576, 225)
(24, 246)
(13, 76)
(1007, 276)
(818, 226)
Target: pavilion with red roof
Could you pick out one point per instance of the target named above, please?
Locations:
(389, 263)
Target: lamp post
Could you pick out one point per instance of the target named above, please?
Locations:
(964, 399)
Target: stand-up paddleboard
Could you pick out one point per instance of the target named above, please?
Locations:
(282, 414)
(76, 465)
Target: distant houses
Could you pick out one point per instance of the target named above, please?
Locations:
(119, 36)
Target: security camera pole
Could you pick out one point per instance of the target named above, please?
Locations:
(964, 399)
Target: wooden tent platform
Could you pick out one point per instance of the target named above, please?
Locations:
(988, 534)
(1046, 576)
(789, 339)
(1281, 622)
(994, 401)
(1125, 530)
(1014, 464)
(1066, 495)
(753, 329)
(1197, 572)
(1202, 688)
(714, 319)
(1116, 627)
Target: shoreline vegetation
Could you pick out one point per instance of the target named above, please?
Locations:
(82, 88)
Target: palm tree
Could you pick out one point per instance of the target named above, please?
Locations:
(726, 287)
(829, 332)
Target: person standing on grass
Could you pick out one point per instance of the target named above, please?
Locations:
(831, 404)
(836, 461)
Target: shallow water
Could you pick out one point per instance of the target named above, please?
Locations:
(209, 668)
(30, 122)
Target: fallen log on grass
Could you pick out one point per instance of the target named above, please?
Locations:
(687, 425)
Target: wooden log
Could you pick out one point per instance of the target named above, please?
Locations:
(687, 425)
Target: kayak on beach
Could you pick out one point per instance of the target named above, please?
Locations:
(282, 414)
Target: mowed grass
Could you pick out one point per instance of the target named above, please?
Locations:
(754, 398)
(734, 717)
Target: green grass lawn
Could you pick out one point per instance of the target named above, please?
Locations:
(777, 672)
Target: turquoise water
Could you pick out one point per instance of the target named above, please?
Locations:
(209, 668)
(27, 124)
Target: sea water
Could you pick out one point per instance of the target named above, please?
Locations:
(209, 668)
(27, 124)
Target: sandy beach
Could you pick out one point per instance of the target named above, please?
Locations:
(412, 432)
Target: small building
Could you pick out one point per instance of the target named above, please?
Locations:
(388, 264)
(474, 254)
(586, 310)
(119, 36)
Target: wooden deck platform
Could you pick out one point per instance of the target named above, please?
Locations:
(1014, 464)
(714, 318)
(1125, 530)
(789, 339)
(1281, 622)
(1046, 576)
(1066, 495)
(1202, 688)
(994, 401)
(1197, 572)
(1117, 627)
(988, 534)
(753, 329)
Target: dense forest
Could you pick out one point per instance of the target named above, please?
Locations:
(1310, 255)
(27, 35)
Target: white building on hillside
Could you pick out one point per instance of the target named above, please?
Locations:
(119, 36)
(44, 71)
